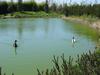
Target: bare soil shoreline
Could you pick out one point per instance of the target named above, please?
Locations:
(93, 24)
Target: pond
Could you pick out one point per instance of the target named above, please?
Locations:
(38, 40)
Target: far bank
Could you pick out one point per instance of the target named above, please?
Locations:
(92, 22)
(27, 14)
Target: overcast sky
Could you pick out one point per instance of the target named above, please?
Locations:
(61, 1)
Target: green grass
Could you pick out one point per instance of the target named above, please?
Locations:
(27, 14)
(82, 26)
(85, 30)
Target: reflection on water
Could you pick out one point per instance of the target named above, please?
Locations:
(73, 45)
(15, 51)
(20, 29)
(38, 40)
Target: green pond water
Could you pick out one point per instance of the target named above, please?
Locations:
(38, 40)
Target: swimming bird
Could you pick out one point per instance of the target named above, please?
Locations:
(73, 40)
(15, 44)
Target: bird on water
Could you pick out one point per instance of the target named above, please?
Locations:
(73, 40)
(15, 44)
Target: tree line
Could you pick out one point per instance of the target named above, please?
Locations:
(11, 7)
(77, 9)
(66, 9)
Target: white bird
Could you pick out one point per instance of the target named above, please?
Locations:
(73, 40)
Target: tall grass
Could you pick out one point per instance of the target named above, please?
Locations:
(86, 64)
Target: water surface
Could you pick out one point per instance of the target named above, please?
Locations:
(38, 40)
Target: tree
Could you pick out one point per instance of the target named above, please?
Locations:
(20, 5)
(3, 8)
(11, 7)
(35, 6)
(47, 6)
(53, 7)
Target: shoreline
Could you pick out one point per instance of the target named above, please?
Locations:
(30, 15)
(46, 16)
(95, 24)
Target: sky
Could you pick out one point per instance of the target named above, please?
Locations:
(61, 1)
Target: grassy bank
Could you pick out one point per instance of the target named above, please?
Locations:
(90, 21)
(27, 14)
